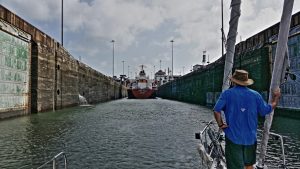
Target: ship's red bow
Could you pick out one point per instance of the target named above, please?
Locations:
(142, 93)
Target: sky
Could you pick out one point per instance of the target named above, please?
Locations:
(142, 29)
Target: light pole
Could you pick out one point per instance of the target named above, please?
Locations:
(113, 53)
(159, 64)
(123, 66)
(62, 22)
(222, 29)
(172, 41)
(154, 72)
(128, 71)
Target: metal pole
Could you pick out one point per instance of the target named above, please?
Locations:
(128, 71)
(54, 164)
(123, 66)
(222, 27)
(62, 22)
(113, 42)
(159, 64)
(172, 58)
(113, 53)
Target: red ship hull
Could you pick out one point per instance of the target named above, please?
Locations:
(143, 93)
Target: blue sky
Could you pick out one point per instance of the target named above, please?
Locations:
(143, 29)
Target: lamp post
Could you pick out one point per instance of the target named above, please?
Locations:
(128, 71)
(123, 66)
(222, 29)
(113, 53)
(172, 41)
(159, 64)
(154, 72)
(62, 22)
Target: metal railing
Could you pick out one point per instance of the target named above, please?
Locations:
(54, 161)
(211, 138)
(280, 137)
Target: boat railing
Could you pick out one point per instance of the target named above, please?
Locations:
(213, 140)
(54, 161)
(280, 138)
(211, 144)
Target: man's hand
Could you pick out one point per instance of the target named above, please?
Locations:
(223, 126)
(275, 97)
(276, 93)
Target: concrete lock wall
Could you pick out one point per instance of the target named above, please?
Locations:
(256, 55)
(52, 80)
(14, 70)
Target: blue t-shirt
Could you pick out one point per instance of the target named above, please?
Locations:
(241, 106)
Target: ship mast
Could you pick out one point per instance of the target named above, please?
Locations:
(280, 63)
(222, 28)
(142, 66)
(233, 25)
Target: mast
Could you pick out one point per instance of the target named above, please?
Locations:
(222, 28)
(233, 25)
(278, 70)
(62, 22)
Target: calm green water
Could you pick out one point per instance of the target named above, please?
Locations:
(119, 134)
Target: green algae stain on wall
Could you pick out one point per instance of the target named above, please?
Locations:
(14, 72)
(205, 85)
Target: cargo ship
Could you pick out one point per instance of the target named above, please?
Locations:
(142, 87)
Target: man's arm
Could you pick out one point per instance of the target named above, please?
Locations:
(219, 120)
(221, 103)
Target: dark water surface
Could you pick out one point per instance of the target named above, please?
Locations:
(122, 134)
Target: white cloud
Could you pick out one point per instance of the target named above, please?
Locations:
(143, 29)
(43, 10)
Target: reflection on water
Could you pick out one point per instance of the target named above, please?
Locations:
(289, 128)
(119, 134)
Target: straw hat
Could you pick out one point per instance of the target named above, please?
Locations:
(240, 77)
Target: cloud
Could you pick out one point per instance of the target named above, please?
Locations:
(108, 19)
(143, 29)
(43, 10)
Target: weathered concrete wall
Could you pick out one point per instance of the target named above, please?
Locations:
(56, 78)
(95, 86)
(254, 55)
(14, 70)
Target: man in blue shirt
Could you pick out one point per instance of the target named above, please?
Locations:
(241, 107)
